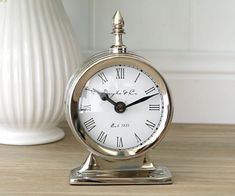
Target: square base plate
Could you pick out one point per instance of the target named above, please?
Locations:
(139, 170)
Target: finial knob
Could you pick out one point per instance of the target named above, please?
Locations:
(118, 23)
(118, 30)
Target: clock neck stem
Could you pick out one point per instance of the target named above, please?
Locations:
(118, 46)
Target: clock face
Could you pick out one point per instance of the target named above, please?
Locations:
(121, 107)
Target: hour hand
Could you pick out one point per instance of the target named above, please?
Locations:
(105, 97)
(141, 100)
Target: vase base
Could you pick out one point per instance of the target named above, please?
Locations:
(16, 136)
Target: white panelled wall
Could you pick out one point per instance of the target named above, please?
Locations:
(191, 42)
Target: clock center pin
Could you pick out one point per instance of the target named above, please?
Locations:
(120, 107)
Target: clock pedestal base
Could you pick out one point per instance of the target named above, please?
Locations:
(140, 170)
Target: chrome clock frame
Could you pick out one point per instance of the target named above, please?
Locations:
(106, 165)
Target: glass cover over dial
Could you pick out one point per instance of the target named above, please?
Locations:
(121, 107)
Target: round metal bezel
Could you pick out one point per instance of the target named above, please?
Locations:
(79, 80)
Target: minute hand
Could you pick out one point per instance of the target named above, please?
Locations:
(141, 100)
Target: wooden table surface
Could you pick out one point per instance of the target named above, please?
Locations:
(200, 157)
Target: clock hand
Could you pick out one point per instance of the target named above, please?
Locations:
(141, 100)
(105, 97)
(119, 107)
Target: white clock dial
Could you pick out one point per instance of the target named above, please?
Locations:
(121, 107)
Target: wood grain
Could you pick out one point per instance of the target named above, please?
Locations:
(201, 158)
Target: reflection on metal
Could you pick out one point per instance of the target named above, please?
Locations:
(140, 170)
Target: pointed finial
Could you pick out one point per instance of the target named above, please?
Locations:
(118, 30)
(118, 22)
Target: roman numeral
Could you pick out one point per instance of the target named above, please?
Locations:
(120, 73)
(137, 138)
(86, 108)
(103, 77)
(150, 90)
(150, 124)
(119, 142)
(102, 137)
(137, 78)
(89, 124)
(154, 107)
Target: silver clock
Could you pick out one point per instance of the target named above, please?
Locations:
(119, 107)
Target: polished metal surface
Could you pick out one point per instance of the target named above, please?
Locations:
(76, 85)
(118, 31)
(113, 166)
(140, 170)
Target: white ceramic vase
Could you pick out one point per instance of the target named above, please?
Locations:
(38, 53)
